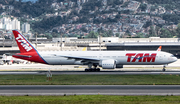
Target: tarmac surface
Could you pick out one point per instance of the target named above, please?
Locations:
(15, 90)
(40, 69)
(89, 73)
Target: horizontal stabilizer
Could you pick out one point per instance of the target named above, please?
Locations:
(23, 56)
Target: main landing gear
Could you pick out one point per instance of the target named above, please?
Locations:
(90, 69)
(164, 68)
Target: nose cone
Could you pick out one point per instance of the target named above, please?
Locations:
(175, 59)
(172, 58)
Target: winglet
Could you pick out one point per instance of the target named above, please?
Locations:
(23, 44)
(159, 49)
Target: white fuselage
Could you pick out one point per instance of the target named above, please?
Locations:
(121, 57)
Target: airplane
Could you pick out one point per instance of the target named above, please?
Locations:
(93, 59)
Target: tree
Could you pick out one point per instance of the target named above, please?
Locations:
(110, 33)
(165, 33)
(55, 34)
(139, 35)
(152, 32)
(92, 34)
(55, 30)
(84, 29)
(107, 33)
(147, 24)
(174, 33)
(171, 18)
(143, 7)
(117, 34)
(48, 35)
(178, 30)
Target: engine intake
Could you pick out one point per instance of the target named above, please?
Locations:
(108, 64)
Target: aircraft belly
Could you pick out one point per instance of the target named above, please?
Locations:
(59, 61)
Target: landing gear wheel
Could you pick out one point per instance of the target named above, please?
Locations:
(98, 69)
(163, 69)
(86, 70)
(92, 70)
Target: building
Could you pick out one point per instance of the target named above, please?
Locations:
(15, 24)
(170, 47)
(25, 27)
(6, 20)
(8, 24)
(1, 25)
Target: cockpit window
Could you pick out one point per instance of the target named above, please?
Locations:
(172, 56)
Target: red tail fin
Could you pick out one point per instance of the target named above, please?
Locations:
(23, 44)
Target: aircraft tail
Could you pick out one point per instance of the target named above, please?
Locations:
(28, 52)
(23, 44)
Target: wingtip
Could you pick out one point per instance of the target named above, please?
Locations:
(159, 49)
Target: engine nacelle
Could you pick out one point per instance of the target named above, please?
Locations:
(108, 64)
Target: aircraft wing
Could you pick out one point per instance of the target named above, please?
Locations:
(79, 58)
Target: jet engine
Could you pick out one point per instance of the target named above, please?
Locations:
(108, 64)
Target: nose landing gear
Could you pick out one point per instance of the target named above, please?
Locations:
(164, 68)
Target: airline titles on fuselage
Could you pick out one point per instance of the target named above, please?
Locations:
(142, 57)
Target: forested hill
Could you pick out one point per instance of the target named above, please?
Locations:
(130, 16)
(160, 1)
(169, 4)
(29, 8)
(44, 6)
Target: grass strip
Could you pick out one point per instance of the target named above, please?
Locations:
(90, 99)
(90, 80)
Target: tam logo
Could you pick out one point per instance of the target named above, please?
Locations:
(141, 57)
(24, 43)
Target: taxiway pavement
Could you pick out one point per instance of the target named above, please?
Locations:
(10, 90)
(41, 67)
(90, 73)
